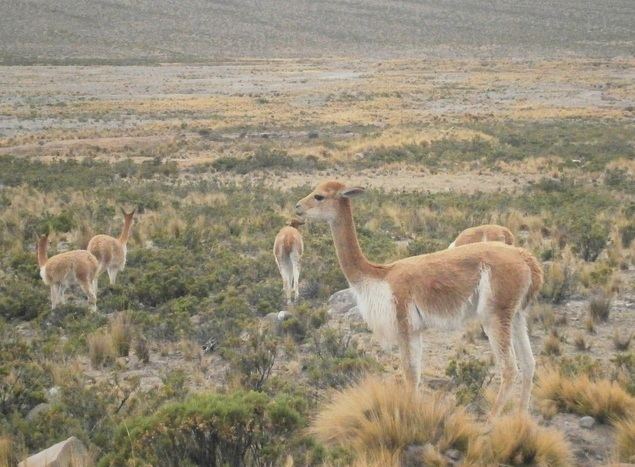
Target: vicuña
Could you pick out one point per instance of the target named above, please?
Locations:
(484, 233)
(287, 250)
(111, 252)
(71, 267)
(492, 281)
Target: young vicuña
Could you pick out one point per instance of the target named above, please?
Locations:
(484, 233)
(110, 251)
(492, 281)
(287, 250)
(61, 271)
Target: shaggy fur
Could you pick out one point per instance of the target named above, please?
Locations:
(287, 250)
(484, 233)
(491, 281)
(111, 252)
(61, 271)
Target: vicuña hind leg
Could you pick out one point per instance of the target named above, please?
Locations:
(112, 275)
(87, 287)
(522, 346)
(500, 341)
(296, 280)
(411, 348)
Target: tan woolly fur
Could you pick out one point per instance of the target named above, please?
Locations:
(111, 252)
(287, 251)
(484, 233)
(491, 281)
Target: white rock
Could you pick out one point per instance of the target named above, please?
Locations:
(587, 422)
(71, 452)
(282, 315)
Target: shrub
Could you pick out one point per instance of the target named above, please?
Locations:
(255, 359)
(376, 416)
(625, 440)
(581, 344)
(560, 281)
(469, 376)
(603, 399)
(242, 428)
(22, 300)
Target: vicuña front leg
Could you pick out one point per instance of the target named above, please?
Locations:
(500, 342)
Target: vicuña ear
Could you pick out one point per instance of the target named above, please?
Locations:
(351, 192)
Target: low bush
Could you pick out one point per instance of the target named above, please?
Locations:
(242, 428)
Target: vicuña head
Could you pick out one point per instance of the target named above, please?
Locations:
(491, 281)
(112, 252)
(71, 267)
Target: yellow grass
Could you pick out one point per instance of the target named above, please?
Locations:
(605, 400)
(100, 349)
(625, 440)
(518, 440)
(379, 419)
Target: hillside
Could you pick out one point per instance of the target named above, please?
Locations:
(125, 31)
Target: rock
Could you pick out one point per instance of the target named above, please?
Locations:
(38, 409)
(453, 454)
(53, 393)
(354, 315)
(415, 455)
(282, 315)
(587, 422)
(71, 452)
(341, 301)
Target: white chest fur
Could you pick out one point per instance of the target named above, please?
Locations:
(376, 304)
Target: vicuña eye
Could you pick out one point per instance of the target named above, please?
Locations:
(318, 197)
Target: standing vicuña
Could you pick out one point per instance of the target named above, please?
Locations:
(492, 281)
(287, 249)
(60, 271)
(111, 252)
(484, 233)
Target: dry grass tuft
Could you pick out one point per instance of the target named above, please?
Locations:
(518, 440)
(625, 440)
(121, 334)
(100, 349)
(141, 349)
(622, 341)
(581, 343)
(600, 306)
(603, 399)
(552, 344)
(7, 456)
(380, 419)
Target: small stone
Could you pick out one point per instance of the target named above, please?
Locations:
(453, 454)
(587, 422)
(282, 315)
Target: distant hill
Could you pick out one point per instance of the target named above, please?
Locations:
(68, 31)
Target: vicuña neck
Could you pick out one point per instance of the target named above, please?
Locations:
(354, 264)
(42, 257)
(125, 233)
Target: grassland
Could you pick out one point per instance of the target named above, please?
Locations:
(215, 157)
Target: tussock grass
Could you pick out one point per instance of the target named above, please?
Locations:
(603, 399)
(6, 451)
(100, 349)
(622, 341)
(600, 306)
(378, 420)
(518, 440)
(625, 440)
(121, 334)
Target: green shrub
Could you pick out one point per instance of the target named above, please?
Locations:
(469, 376)
(242, 428)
